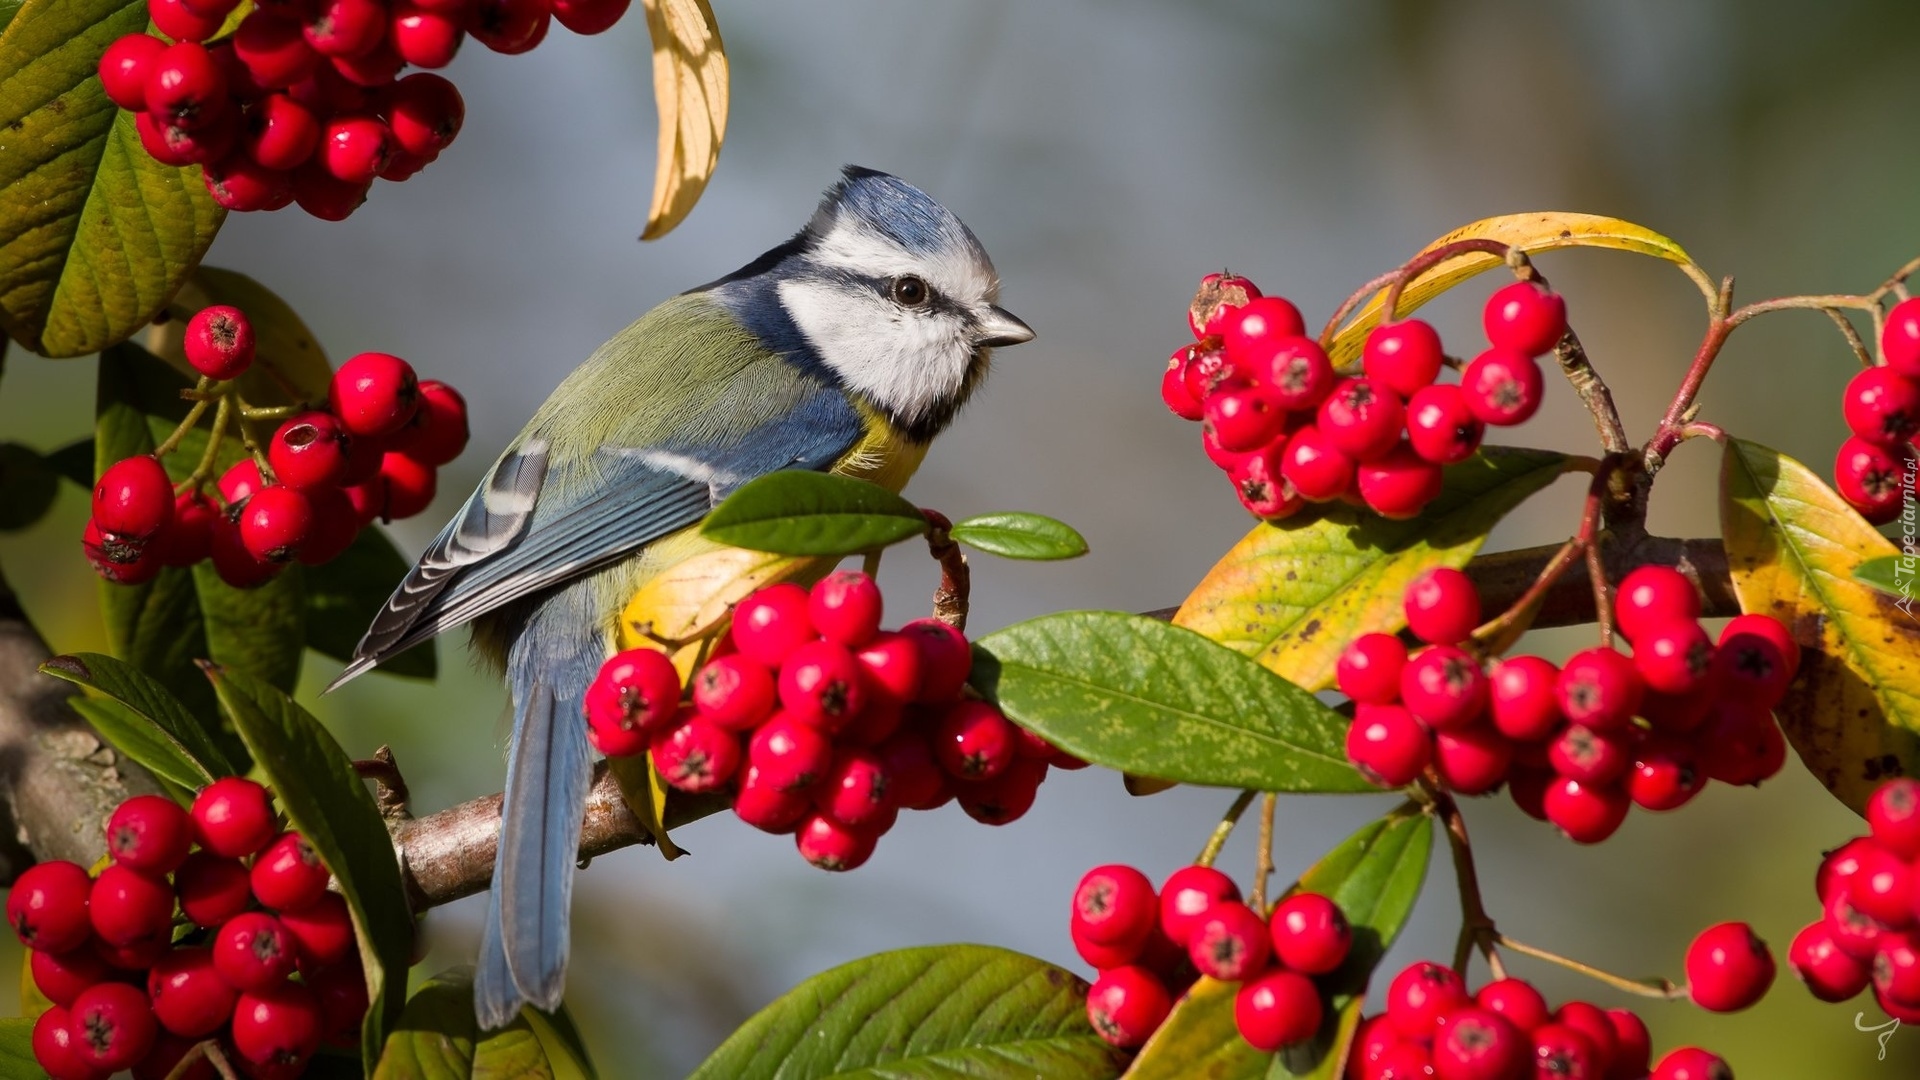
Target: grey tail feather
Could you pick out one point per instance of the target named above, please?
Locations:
(496, 1000)
(548, 770)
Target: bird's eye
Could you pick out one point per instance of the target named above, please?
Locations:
(910, 291)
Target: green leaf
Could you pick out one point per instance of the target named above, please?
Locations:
(1017, 535)
(140, 717)
(16, 1048)
(97, 235)
(1891, 574)
(1136, 694)
(1293, 594)
(513, 1053)
(560, 1041)
(1793, 546)
(344, 595)
(944, 1011)
(185, 615)
(74, 462)
(1375, 876)
(328, 803)
(434, 1037)
(289, 366)
(27, 486)
(797, 512)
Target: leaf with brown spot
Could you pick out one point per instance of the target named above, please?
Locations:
(1293, 594)
(690, 92)
(1853, 712)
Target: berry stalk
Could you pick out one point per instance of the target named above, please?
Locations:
(1225, 829)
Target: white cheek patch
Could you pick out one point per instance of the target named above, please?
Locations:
(954, 271)
(906, 363)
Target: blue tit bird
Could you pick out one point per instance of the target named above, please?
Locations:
(846, 348)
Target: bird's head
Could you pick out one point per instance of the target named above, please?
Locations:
(889, 292)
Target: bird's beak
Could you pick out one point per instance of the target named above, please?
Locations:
(1001, 327)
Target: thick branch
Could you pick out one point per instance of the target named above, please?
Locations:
(58, 780)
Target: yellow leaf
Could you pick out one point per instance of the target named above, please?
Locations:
(32, 1001)
(1535, 232)
(289, 367)
(646, 795)
(1853, 712)
(696, 592)
(690, 92)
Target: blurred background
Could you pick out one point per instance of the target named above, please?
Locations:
(1107, 154)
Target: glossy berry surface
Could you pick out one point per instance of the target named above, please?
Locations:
(133, 499)
(232, 817)
(1310, 933)
(47, 906)
(1503, 388)
(374, 393)
(1387, 745)
(1276, 1009)
(127, 907)
(1442, 606)
(219, 342)
(1126, 1005)
(1229, 942)
(1728, 968)
(1186, 897)
(112, 1025)
(149, 833)
(1369, 668)
(253, 951)
(1115, 905)
(288, 875)
(1525, 318)
(1403, 356)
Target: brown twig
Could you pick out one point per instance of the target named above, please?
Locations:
(1225, 829)
(1660, 988)
(1263, 859)
(389, 787)
(956, 578)
(1476, 928)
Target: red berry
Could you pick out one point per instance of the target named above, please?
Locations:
(973, 741)
(1277, 1009)
(134, 499)
(1442, 606)
(1563, 1051)
(1403, 356)
(137, 957)
(1230, 942)
(1259, 319)
(321, 932)
(1107, 957)
(309, 450)
(278, 1025)
(1528, 788)
(1653, 596)
(1218, 296)
(1294, 370)
(61, 976)
(1420, 995)
(1369, 669)
(696, 756)
(1443, 687)
(1503, 388)
(1126, 1005)
(212, 889)
(509, 26)
(1404, 1061)
(149, 833)
(355, 149)
(168, 1052)
(438, 432)
(189, 997)
(1520, 695)
(112, 1026)
(1893, 813)
(275, 523)
(1854, 932)
(185, 87)
(1515, 999)
(890, 666)
(281, 133)
(1173, 386)
(1633, 1045)
(239, 183)
(789, 754)
(1441, 426)
(47, 906)
(1004, 798)
(1399, 485)
(122, 562)
(125, 66)
(373, 70)
(232, 817)
(238, 483)
(289, 874)
(253, 951)
(1599, 688)
(424, 38)
(1243, 417)
(1589, 756)
(342, 991)
(1313, 467)
(767, 808)
(636, 691)
(733, 692)
(1728, 968)
(855, 790)
(1526, 318)
(589, 16)
(830, 845)
(347, 27)
(181, 23)
(1665, 775)
(374, 393)
(820, 684)
(1900, 338)
(1387, 745)
(845, 607)
(410, 486)
(1882, 887)
(1871, 479)
(1310, 933)
(1586, 813)
(1756, 660)
(1691, 1063)
(1741, 745)
(274, 50)
(1896, 970)
(1362, 419)
(915, 779)
(1673, 658)
(166, 145)
(1592, 1021)
(1838, 866)
(1882, 407)
(1115, 905)
(1205, 369)
(1186, 897)
(127, 907)
(772, 622)
(1476, 1044)
(1472, 760)
(1259, 487)
(1828, 972)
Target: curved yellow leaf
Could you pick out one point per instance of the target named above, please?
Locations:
(1292, 595)
(1533, 232)
(690, 92)
(695, 592)
(289, 366)
(1853, 713)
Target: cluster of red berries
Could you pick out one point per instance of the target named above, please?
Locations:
(1289, 430)
(1869, 891)
(1433, 1028)
(135, 987)
(1578, 744)
(371, 453)
(304, 102)
(1149, 947)
(1874, 469)
(823, 725)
